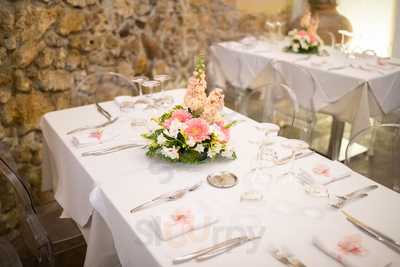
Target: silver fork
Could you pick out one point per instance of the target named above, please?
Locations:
(103, 112)
(357, 194)
(105, 151)
(340, 204)
(166, 197)
(286, 258)
(93, 127)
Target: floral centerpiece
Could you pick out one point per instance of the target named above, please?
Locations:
(195, 131)
(305, 41)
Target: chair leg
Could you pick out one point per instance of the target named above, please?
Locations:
(335, 141)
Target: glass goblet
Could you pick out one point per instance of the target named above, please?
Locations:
(139, 81)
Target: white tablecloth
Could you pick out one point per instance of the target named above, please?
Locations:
(350, 94)
(107, 187)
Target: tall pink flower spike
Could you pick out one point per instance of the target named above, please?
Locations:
(213, 106)
(196, 96)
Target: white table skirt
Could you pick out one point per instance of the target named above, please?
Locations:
(111, 185)
(351, 95)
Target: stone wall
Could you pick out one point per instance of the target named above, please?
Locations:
(47, 46)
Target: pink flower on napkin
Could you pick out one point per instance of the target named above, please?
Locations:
(98, 134)
(197, 130)
(184, 217)
(351, 244)
(322, 169)
(180, 115)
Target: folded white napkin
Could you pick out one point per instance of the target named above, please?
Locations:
(351, 247)
(326, 171)
(93, 137)
(174, 222)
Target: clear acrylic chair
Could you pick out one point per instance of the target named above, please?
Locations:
(288, 100)
(100, 87)
(375, 153)
(8, 254)
(45, 235)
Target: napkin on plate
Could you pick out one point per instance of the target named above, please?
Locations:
(93, 137)
(351, 247)
(325, 172)
(174, 222)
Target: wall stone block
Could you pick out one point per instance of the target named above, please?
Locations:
(55, 80)
(70, 22)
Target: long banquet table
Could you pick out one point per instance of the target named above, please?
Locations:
(98, 192)
(351, 90)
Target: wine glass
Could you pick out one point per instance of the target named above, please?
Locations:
(165, 100)
(271, 27)
(279, 25)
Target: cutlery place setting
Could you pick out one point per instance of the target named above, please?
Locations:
(167, 197)
(215, 250)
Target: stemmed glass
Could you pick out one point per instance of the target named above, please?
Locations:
(271, 26)
(279, 26)
(165, 100)
(139, 81)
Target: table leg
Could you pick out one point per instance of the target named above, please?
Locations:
(335, 141)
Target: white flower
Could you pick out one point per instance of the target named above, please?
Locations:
(214, 150)
(191, 142)
(199, 148)
(292, 32)
(228, 152)
(304, 45)
(295, 47)
(216, 130)
(161, 139)
(174, 128)
(170, 152)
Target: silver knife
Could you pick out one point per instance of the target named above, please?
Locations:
(220, 247)
(222, 250)
(391, 243)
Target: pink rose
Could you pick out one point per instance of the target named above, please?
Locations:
(180, 115)
(197, 130)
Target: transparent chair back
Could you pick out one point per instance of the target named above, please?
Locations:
(34, 235)
(301, 86)
(100, 87)
(375, 153)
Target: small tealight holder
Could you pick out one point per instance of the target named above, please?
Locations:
(222, 179)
